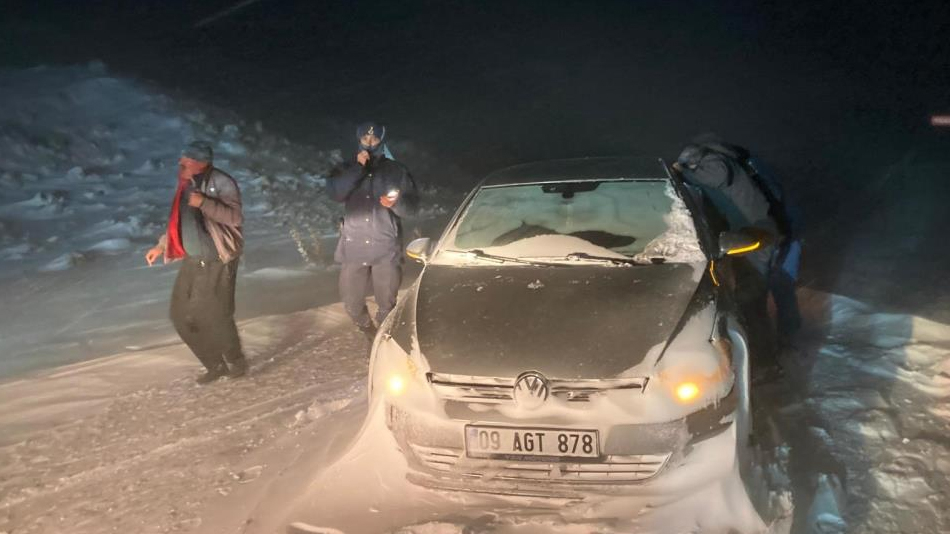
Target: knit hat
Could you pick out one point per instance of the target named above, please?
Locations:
(370, 128)
(198, 151)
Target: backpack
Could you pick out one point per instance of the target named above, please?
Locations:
(784, 215)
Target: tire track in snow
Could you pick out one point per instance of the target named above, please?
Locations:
(158, 453)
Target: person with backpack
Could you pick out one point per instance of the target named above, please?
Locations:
(746, 196)
(786, 261)
(377, 193)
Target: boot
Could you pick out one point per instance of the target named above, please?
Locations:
(238, 368)
(369, 331)
(212, 374)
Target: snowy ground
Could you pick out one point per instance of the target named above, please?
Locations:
(128, 443)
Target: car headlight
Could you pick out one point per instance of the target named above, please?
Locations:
(396, 384)
(687, 392)
(395, 372)
(697, 377)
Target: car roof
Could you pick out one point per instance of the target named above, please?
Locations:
(579, 169)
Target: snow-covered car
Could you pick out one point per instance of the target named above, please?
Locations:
(573, 329)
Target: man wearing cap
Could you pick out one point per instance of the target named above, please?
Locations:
(204, 231)
(377, 193)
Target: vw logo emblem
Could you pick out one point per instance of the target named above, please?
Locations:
(531, 390)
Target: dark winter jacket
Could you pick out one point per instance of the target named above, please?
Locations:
(220, 214)
(731, 190)
(371, 233)
(783, 209)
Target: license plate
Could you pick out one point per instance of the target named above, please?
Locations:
(517, 443)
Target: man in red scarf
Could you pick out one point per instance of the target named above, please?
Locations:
(204, 231)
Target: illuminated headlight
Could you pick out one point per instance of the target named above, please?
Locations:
(696, 378)
(687, 392)
(396, 373)
(396, 384)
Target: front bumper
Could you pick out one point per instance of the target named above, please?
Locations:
(671, 457)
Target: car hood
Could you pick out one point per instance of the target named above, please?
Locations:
(566, 322)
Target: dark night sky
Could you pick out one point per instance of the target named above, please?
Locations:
(490, 83)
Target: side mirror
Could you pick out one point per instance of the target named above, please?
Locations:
(743, 241)
(418, 249)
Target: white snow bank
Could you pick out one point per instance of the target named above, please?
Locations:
(86, 158)
(880, 389)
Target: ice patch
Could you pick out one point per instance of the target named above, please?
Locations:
(434, 527)
(46, 203)
(111, 246)
(825, 513)
(150, 166)
(320, 409)
(63, 263)
(298, 527)
(15, 252)
(75, 173)
(129, 228)
(901, 485)
(277, 273)
(232, 148)
(231, 130)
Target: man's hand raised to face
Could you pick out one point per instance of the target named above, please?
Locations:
(196, 199)
(362, 157)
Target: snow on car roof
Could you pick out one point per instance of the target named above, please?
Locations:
(579, 169)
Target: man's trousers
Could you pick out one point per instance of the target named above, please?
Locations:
(202, 310)
(354, 279)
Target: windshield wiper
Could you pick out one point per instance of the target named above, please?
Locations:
(605, 259)
(482, 255)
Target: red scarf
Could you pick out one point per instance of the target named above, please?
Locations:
(173, 248)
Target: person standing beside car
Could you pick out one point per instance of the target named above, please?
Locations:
(204, 232)
(749, 195)
(377, 193)
(720, 172)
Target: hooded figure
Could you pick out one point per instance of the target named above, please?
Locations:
(745, 196)
(373, 129)
(720, 173)
(377, 193)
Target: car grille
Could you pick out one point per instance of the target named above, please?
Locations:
(620, 469)
(492, 390)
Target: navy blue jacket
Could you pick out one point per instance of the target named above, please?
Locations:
(372, 233)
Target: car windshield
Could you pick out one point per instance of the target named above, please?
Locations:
(587, 221)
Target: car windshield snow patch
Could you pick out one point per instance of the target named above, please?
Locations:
(679, 243)
(634, 221)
